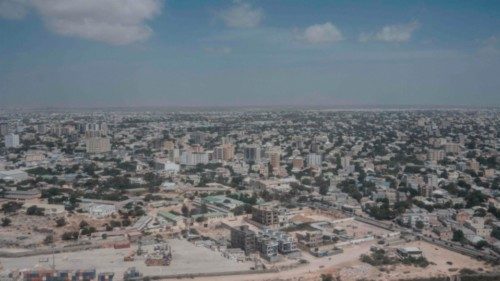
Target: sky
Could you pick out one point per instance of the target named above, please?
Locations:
(100, 53)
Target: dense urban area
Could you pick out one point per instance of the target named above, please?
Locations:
(250, 195)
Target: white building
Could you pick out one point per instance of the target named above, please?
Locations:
(189, 158)
(13, 175)
(313, 160)
(101, 211)
(12, 141)
(167, 166)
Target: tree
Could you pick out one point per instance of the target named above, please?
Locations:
(495, 233)
(83, 224)
(326, 277)
(35, 211)
(11, 207)
(70, 235)
(475, 198)
(6, 222)
(60, 222)
(481, 244)
(419, 224)
(185, 210)
(458, 236)
(201, 219)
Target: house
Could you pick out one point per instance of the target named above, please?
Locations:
(101, 210)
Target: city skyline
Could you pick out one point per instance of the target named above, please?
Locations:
(147, 53)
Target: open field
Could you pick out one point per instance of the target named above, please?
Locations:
(187, 259)
(349, 268)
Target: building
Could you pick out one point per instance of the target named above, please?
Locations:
(275, 158)
(13, 175)
(224, 152)
(313, 160)
(407, 252)
(101, 210)
(22, 194)
(452, 148)
(198, 137)
(171, 217)
(243, 238)
(435, 155)
(265, 215)
(164, 165)
(189, 158)
(4, 129)
(12, 141)
(252, 154)
(297, 163)
(96, 145)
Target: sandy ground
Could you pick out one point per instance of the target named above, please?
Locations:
(187, 258)
(349, 268)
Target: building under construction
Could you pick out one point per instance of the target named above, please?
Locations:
(161, 255)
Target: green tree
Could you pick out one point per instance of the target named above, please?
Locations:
(458, 235)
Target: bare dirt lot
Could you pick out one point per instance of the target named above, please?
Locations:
(187, 259)
(348, 267)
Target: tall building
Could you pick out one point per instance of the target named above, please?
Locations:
(243, 238)
(252, 154)
(297, 163)
(218, 153)
(189, 158)
(314, 160)
(12, 141)
(198, 137)
(275, 158)
(228, 151)
(4, 129)
(224, 152)
(96, 145)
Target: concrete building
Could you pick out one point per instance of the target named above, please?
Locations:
(12, 141)
(96, 145)
(265, 215)
(23, 194)
(275, 158)
(313, 160)
(101, 211)
(435, 155)
(164, 165)
(224, 152)
(13, 175)
(243, 238)
(252, 154)
(297, 163)
(4, 129)
(189, 158)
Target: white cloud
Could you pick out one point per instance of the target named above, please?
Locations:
(242, 15)
(13, 9)
(116, 22)
(322, 33)
(392, 33)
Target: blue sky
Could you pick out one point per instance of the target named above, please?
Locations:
(197, 53)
